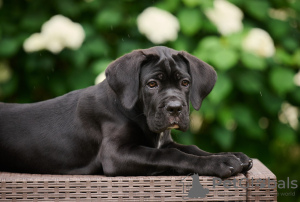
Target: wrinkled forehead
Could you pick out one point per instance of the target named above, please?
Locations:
(166, 65)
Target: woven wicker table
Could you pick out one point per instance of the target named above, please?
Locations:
(33, 187)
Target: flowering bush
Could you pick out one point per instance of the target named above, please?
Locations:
(253, 45)
(158, 25)
(57, 33)
(226, 16)
(259, 42)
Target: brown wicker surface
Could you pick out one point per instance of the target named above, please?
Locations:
(256, 177)
(33, 187)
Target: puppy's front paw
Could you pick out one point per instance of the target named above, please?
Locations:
(225, 166)
(247, 162)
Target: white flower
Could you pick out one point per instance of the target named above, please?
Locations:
(158, 25)
(100, 78)
(57, 33)
(289, 114)
(297, 78)
(34, 43)
(259, 42)
(226, 16)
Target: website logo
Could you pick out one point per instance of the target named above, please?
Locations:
(196, 190)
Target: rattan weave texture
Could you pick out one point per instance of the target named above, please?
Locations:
(34, 187)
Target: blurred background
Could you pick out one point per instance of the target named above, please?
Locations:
(48, 48)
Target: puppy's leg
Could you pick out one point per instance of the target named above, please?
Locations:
(246, 162)
(189, 149)
(139, 160)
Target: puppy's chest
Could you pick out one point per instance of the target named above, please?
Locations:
(159, 140)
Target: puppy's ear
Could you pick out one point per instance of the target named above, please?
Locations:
(203, 76)
(123, 77)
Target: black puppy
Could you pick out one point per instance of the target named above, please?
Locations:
(120, 126)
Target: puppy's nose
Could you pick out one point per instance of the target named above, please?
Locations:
(174, 107)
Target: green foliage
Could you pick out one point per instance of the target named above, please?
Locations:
(241, 113)
(190, 21)
(282, 79)
(252, 61)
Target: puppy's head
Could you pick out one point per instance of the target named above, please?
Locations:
(162, 81)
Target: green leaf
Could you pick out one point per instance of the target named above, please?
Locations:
(80, 79)
(210, 43)
(281, 80)
(296, 58)
(95, 47)
(67, 8)
(243, 116)
(78, 58)
(126, 46)
(250, 82)
(57, 85)
(235, 40)
(206, 46)
(100, 65)
(294, 97)
(108, 18)
(190, 21)
(182, 43)
(168, 5)
(209, 110)
(290, 44)
(270, 102)
(245, 119)
(33, 21)
(252, 61)
(192, 3)
(222, 89)
(206, 4)
(278, 28)
(10, 87)
(283, 57)
(284, 134)
(224, 59)
(224, 138)
(186, 138)
(257, 8)
(9, 47)
(225, 115)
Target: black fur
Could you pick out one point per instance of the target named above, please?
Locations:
(120, 126)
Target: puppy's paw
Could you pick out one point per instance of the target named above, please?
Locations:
(224, 166)
(247, 162)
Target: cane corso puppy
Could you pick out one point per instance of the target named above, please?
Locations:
(120, 126)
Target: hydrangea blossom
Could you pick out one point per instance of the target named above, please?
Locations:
(259, 42)
(100, 78)
(158, 25)
(56, 34)
(226, 16)
(297, 79)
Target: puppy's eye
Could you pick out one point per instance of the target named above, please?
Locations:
(152, 84)
(185, 83)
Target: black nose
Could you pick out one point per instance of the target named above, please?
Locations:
(174, 107)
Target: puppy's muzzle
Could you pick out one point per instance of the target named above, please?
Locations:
(174, 109)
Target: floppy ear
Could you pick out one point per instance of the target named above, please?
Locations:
(203, 78)
(123, 77)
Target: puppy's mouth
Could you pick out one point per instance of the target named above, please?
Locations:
(173, 126)
(161, 122)
(174, 123)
